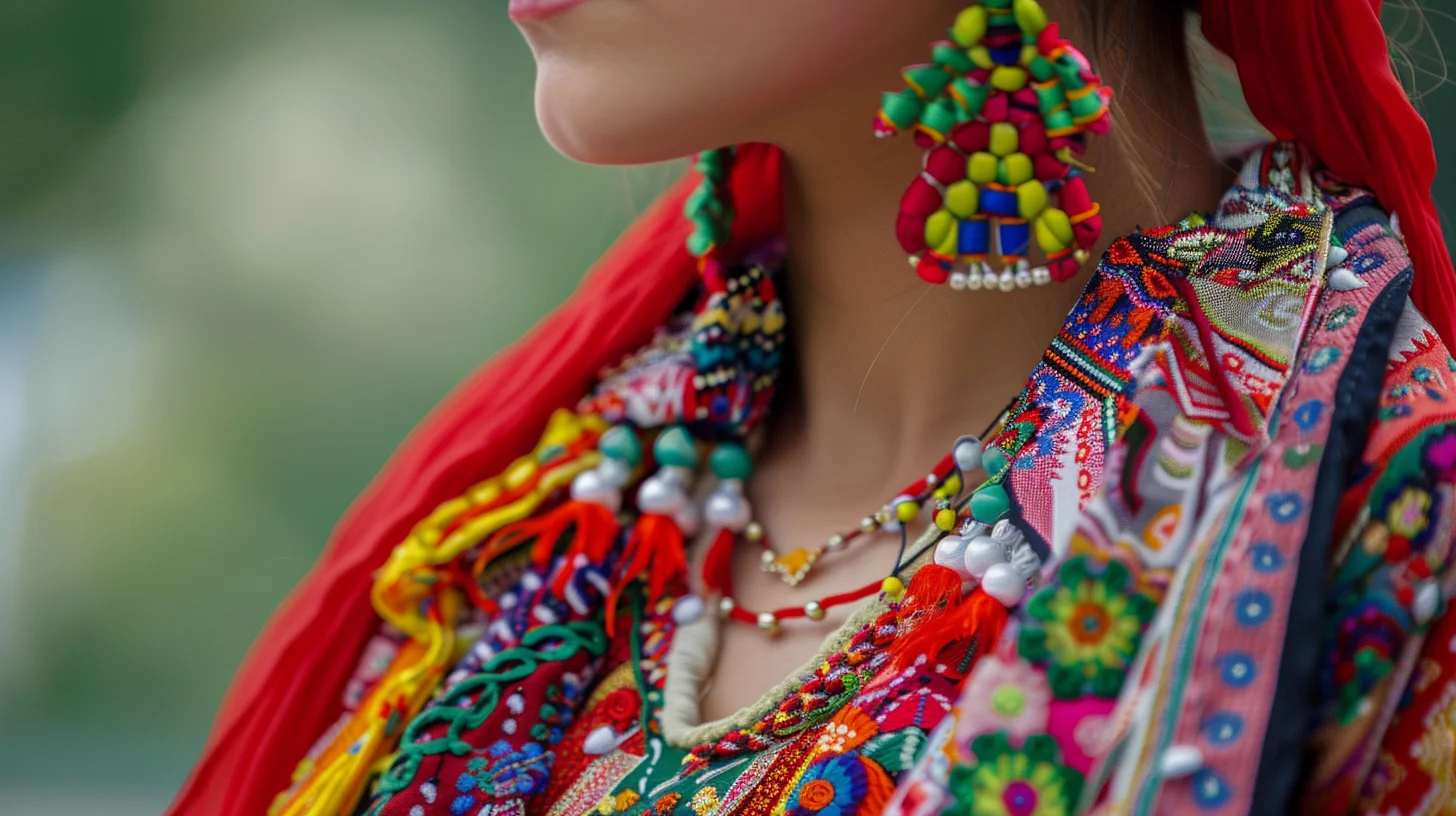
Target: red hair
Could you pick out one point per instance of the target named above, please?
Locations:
(1335, 92)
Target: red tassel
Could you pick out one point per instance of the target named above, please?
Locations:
(939, 619)
(656, 547)
(718, 564)
(593, 531)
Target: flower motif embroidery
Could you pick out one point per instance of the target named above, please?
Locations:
(1087, 627)
(1409, 513)
(1006, 781)
(1004, 695)
(848, 730)
(830, 787)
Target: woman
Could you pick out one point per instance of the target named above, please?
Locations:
(1196, 564)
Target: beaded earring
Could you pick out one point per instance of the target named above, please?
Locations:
(1003, 110)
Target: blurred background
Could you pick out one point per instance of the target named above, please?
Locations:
(244, 247)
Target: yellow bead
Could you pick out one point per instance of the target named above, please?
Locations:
(1008, 78)
(893, 588)
(970, 26)
(1017, 169)
(1031, 199)
(981, 168)
(952, 484)
(945, 518)
(1030, 16)
(981, 56)
(938, 227)
(963, 199)
(1004, 139)
(1053, 230)
(907, 511)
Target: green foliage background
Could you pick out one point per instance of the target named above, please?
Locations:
(244, 247)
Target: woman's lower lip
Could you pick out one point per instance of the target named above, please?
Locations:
(539, 9)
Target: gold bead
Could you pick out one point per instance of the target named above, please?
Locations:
(893, 588)
(882, 516)
(768, 623)
(753, 532)
(868, 524)
(835, 542)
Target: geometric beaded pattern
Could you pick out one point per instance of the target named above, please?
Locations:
(1003, 109)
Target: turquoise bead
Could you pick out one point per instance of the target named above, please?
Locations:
(730, 461)
(675, 448)
(620, 443)
(993, 460)
(989, 504)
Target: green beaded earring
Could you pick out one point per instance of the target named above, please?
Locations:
(1003, 109)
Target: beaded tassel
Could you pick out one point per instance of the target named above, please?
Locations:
(1003, 110)
(655, 545)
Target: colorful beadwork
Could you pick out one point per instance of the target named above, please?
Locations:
(1003, 109)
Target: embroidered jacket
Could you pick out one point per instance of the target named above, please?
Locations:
(1237, 461)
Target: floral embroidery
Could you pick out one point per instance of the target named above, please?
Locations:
(1007, 781)
(848, 729)
(1008, 695)
(831, 787)
(1087, 626)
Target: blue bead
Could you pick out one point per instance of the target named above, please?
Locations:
(975, 237)
(1015, 238)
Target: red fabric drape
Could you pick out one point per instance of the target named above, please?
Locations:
(1319, 72)
(289, 685)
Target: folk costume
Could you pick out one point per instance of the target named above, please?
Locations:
(1199, 565)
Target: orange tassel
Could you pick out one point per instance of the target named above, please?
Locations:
(655, 546)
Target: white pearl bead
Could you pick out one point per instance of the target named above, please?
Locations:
(601, 740)
(835, 543)
(951, 554)
(967, 454)
(1007, 281)
(725, 607)
(982, 553)
(1180, 760)
(1004, 584)
(659, 495)
(973, 280)
(814, 610)
(957, 280)
(590, 487)
(1041, 276)
(1427, 601)
(1023, 278)
(727, 510)
(614, 472)
(688, 609)
(1006, 534)
(768, 623)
